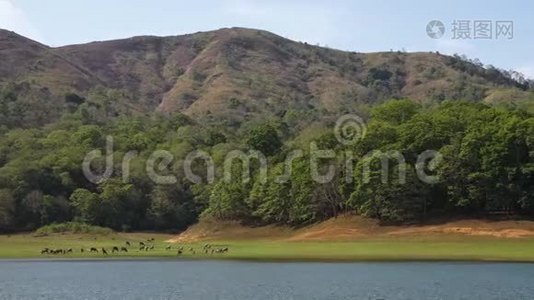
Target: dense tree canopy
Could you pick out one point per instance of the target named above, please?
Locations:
(486, 164)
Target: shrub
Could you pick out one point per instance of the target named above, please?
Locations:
(72, 227)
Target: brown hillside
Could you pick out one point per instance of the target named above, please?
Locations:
(235, 73)
(349, 227)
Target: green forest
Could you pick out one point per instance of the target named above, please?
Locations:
(487, 166)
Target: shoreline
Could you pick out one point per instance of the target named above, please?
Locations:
(408, 248)
(268, 260)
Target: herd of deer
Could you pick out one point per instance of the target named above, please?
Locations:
(143, 246)
(206, 249)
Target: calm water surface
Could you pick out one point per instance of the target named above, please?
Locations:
(246, 280)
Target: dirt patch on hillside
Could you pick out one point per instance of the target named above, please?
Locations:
(501, 229)
(341, 228)
(349, 227)
(229, 230)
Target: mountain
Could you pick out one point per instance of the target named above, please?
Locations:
(244, 89)
(231, 73)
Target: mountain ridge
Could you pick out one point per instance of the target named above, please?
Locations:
(238, 73)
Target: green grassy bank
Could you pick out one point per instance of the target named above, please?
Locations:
(458, 248)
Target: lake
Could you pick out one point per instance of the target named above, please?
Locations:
(175, 279)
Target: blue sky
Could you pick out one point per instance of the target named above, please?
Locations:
(365, 26)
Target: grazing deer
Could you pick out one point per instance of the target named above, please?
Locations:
(104, 251)
(123, 249)
(115, 249)
(56, 251)
(93, 250)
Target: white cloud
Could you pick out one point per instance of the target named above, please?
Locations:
(14, 19)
